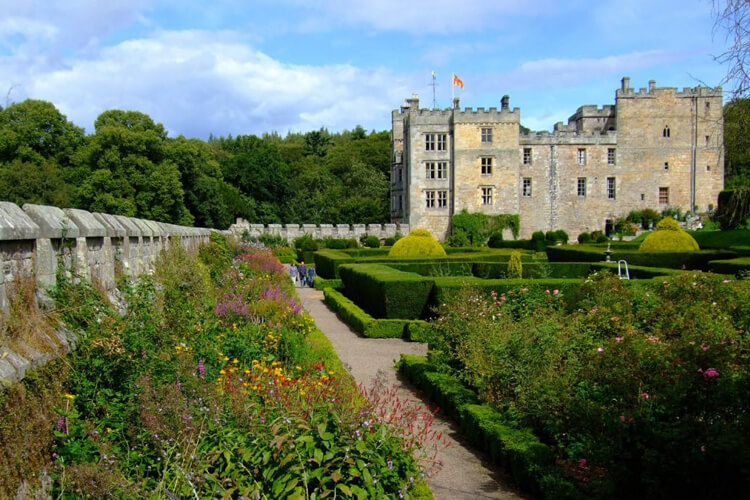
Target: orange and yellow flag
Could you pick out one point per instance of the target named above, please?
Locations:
(457, 81)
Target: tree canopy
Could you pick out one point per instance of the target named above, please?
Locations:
(129, 166)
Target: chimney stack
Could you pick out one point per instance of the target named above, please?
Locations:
(625, 83)
(505, 103)
(413, 102)
(455, 103)
(651, 85)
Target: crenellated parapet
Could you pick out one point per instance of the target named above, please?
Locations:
(317, 231)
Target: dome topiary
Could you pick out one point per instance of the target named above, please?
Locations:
(669, 237)
(419, 243)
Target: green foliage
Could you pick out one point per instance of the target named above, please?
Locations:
(734, 208)
(473, 229)
(584, 237)
(737, 267)
(722, 239)
(669, 237)
(538, 241)
(673, 260)
(737, 142)
(515, 268)
(306, 243)
(391, 240)
(418, 243)
(643, 382)
(371, 242)
(561, 235)
(360, 321)
(385, 292)
(646, 218)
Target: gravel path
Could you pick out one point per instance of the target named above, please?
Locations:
(466, 473)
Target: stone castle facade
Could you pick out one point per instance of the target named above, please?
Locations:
(654, 148)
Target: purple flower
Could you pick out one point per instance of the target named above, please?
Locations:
(61, 424)
(201, 369)
(710, 373)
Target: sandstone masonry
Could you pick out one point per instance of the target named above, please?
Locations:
(654, 148)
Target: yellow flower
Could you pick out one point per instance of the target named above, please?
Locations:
(226, 358)
(235, 361)
(298, 367)
(109, 430)
(222, 372)
(69, 396)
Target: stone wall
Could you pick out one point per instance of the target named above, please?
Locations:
(35, 240)
(343, 231)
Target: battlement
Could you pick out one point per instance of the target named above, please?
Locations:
(343, 231)
(627, 92)
(466, 115)
(567, 134)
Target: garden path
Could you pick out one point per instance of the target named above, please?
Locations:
(466, 474)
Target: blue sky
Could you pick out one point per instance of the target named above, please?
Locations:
(241, 67)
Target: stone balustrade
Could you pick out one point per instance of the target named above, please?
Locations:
(342, 231)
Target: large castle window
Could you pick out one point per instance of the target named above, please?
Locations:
(665, 132)
(664, 195)
(581, 186)
(582, 156)
(429, 142)
(527, 156)
(486, 136)
(441, 142)
(430, 197)
(486, 196)
(442, 170)
(486, 165)
(429, 170)
(611, 188)
(526, 191)
(442, 199)
(610, 156)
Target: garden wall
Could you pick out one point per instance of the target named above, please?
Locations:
(342, 231)
(35, 240)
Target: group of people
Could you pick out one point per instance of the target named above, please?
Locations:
(302, 275)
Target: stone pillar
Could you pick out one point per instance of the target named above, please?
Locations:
(55, 225)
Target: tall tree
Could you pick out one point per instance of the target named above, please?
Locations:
(737, 142)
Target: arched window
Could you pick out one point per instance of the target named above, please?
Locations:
(665, 132)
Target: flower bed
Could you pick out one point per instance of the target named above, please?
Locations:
(215, 383)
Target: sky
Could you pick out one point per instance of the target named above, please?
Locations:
(248, 67)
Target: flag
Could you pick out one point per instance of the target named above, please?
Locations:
(457, 81)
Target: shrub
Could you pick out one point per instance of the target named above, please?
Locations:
(602, 238)
(561, 235)
(273, 240)
(669, 237)
(496, 240)
(515, 268)
(538, 239)
(473, 229)
(305, 243)
(734, 207)
(371, 242)
(646, 218)
(419, 243)
(584, 238)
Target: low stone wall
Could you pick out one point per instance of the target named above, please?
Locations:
(36, 239)
(343, 231)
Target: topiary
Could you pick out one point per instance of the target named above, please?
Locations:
(669, 237)
(602, 238)
(561, 235)
(584, 237)
(515, 267)
(537, 241)
(496, 240)
(419, 243)
(371, 242)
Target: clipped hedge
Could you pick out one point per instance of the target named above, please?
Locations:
(568, 286)
(366, 325)
(385, 292)
(328, 261)
(529, 461)
(418, 243)
(435, 268)
(675, 260)
(731, 266)
(722, 239)
(322, 283)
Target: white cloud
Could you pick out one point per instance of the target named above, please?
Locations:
(197, 82)
(556, 72)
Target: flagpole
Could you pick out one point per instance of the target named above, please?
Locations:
(453, 88)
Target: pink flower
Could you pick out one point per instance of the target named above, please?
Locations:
(692, 342)
(582, 462)
(547, 292)
(704, 347)
(645, 395)
(653, 339)
(703, 448)
(524, 290)
(711, 373)
(599, 349)
(726, 281)
(555, 292)
(615, 318)
(622, 418)
(619, 339)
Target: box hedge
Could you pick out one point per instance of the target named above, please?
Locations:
(444, 286)
(529, 461)
(674, 260)
(731, 266)
(322, 283)
(363, 323)
(385, 292)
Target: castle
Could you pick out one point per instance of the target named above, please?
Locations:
(655, 148)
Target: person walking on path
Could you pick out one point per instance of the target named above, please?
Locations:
(302, 273)
(310, 276)
(293, 272)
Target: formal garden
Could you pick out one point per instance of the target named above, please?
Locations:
(580, 377)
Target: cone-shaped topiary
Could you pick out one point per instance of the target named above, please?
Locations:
(515, 268)
(669, 237)
(419, 243)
